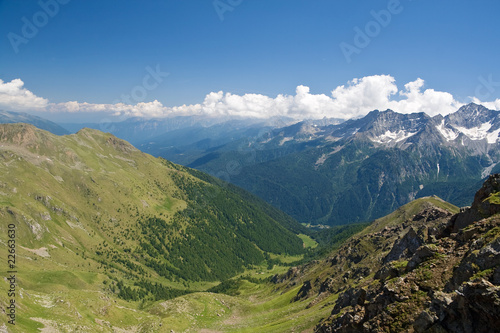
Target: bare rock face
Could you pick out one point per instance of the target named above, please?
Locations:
(474, 307)
(352, 297)
(405, 247)
(486, 203)
(304, 291)
(484, 200)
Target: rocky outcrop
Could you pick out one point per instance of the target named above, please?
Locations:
(431, 214)
(474, 307)
(437, 277)
(405, 247)
(486, 203)
(294, 274)
(483, 202)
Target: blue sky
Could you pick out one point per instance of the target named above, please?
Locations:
(96, 52)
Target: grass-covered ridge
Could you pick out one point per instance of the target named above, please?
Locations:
(105, 230)
(407, 211)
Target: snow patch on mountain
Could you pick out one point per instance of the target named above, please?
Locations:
(492, 137)
(487, 171)
(352, 132)
(285, 139)
(390, 136)
(448, 133)
(476, 133)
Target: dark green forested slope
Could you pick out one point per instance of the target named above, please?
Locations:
(359, 181)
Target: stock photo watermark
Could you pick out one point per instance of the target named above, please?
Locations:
(486, 87)
(30, 27)
(363, 37)
(223, 6)
(11, 272)
(150, 81)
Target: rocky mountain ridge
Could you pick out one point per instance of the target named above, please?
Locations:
(471, 122)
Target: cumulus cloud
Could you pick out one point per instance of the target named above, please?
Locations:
(363, 95)
(14, 96)
(149, 109)
(495, 105)
(429, 101)
(354, 99)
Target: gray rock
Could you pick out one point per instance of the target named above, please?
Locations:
(424, 321)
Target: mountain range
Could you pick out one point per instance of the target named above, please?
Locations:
(318, 173)
(9, 117)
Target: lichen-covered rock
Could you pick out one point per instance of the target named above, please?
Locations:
(424, 252)
(405, 247)
(486, 203)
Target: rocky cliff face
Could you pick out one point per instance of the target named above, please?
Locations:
(421, 270)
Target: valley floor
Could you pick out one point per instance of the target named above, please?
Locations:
(256, 308)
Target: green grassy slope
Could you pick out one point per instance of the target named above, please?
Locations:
(102, 230)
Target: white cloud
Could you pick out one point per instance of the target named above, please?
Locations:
(355, 99)
(363, 95)
(14, 97)
(495, 105)
(149, 109)
(430, 101)
(306, 105)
